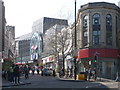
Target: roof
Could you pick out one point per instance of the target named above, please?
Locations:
(24, 37)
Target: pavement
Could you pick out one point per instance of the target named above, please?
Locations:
(24, 81)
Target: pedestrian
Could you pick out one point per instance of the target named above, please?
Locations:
(16, 73)
(11, 76)
(33, 70)
(38, 70)
(67, 72)
(89, 74)
(94, 74)
(86, 74)
(54, 73)
(71, 72)
(26, 71)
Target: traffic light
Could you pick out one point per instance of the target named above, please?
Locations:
(95, 58)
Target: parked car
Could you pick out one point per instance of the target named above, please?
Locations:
(46, 72)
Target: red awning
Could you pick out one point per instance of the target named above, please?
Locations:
(103, 52)
(20, 63)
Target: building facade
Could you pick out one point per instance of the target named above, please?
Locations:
(36, 46)
(2, 27)
(23, 48)
(98, 31)
(9, 50)
(9, 47)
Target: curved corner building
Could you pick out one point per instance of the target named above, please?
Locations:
(98, 34)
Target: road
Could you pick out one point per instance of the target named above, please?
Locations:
(38, 81)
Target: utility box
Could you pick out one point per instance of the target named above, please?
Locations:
(81, 76)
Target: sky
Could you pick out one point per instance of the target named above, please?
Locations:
(22, 13)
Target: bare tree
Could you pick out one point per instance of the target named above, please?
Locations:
(57, 42)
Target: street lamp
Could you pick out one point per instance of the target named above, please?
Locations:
(75, 46)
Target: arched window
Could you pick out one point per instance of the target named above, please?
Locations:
(108, 19)
(96, 19)
(108, 29)
(96, 29)
(85, 21)
(85, 30)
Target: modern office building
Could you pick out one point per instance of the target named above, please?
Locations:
(98, 36)
(28, 47)
(23, 48)
(45, 23)
(2, 27)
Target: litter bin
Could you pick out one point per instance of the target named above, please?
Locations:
(81, 76)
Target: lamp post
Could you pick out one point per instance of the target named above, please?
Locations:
(75, 45)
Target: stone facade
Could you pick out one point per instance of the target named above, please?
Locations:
(98, 31)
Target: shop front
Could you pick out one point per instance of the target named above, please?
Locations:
(105, 63)
(48, 62)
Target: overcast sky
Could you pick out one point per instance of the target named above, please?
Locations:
(22, 13)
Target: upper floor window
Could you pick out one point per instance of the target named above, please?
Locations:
(108, 19)
(85, 21)
(96, 19)
(96, 29)
(109, 29)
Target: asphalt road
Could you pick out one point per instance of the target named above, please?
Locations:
(38, 81)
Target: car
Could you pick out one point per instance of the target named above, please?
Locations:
(46, 72)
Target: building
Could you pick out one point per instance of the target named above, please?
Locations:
(45, 23)
(98, 36)
(23, 48)
(2, 27)
(51, 46)
(9, 47)
(9, 50)
(36, 46)
(28, 48)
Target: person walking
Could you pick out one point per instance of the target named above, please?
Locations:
(71, 72)
(90, 73)
(26, 71)
(67, 72)
(33, 70)
(38, 70)
(16, 73)
(54, 73)
(11, 77)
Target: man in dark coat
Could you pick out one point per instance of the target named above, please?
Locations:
(16, 72)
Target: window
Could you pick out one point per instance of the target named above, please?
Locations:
(85, 21)
(96, 37)
(85, 30)
(108, 29)
(96, 19)
(108, 19)
(85, 34)
(96, 29)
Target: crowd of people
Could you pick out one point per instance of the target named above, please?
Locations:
(69, 73)
(14, 72)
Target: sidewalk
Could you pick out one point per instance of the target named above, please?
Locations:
(91, 80)
(23, 81)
